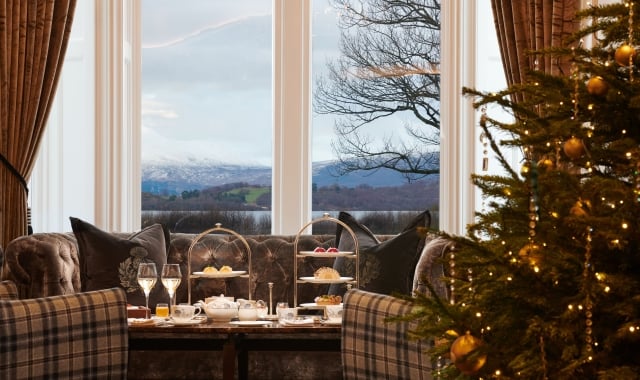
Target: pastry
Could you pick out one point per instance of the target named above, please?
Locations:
(328, 299)
(326, 273)
(225, 269)
(210, 269)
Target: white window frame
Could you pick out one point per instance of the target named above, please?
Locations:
(103, 184)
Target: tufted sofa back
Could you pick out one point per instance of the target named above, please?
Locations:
(46, 264)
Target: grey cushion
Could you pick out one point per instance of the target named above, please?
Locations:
(430, 268)
(385, 267)
(108, 260)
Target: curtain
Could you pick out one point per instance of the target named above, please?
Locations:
(33, 40)
(526, 25)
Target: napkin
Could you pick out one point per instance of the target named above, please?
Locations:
(141, 322)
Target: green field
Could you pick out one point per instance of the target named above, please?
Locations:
(251, 194)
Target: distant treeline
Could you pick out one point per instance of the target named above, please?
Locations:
(244, 197)
(257, 223)
(242, 207)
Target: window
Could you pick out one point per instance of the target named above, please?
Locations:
(206, 114)
(356, 93)
(94, 174)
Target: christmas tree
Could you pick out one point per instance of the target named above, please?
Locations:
(546, 283)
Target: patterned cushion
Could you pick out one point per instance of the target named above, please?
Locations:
(108, 260)
(8, 290)
(78, 336)
(373, 348)
(385, 267)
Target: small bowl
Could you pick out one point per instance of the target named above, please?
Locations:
(221, 314)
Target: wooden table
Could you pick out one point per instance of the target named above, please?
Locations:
(235, 342)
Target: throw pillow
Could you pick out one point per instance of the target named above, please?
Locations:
(385, 267)
(110, 260)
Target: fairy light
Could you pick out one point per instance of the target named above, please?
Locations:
(588, 305)
(631, 40)
(452, 272)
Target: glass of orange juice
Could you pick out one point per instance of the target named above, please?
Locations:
(162, 310)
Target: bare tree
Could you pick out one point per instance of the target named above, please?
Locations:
(389, 65)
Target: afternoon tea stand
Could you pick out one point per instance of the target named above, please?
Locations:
(298, 255)
(218, 228)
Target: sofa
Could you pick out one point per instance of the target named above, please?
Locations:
(47, 264)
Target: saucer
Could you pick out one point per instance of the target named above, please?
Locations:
(250, 323)
(191, 322)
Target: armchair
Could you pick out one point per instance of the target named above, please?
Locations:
(82, 335)
(373, 348)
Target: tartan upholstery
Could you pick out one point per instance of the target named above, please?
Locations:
(8, 290)
(375, 349)
(75, 336)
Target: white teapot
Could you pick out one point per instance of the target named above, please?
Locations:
(220, 309)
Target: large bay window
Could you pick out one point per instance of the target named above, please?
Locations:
(89, 164)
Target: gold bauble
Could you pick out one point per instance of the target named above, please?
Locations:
(546, 164)
(579, 209)
(531, 253)
(624, 55)
(525, 169)
(597, 86)
(461, 347)
(573, 148)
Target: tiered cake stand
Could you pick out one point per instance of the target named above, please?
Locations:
(349, 255)
(227, 275)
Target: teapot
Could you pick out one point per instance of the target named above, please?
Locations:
(220, 309)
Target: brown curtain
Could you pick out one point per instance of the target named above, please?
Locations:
(33, 40)
(528, 25)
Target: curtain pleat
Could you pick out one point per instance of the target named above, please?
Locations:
(528, 25)
(33, 39)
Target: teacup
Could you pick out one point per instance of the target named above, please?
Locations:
(334, 313)
(184, 313)
(287, 314)
(247, 312)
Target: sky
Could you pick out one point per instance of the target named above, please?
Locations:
(206, 79)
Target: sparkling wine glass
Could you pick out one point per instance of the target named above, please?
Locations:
(147, 277)
(171, 278)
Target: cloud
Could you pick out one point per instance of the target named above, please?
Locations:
(207, 79)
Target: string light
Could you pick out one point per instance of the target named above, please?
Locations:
(588, 303)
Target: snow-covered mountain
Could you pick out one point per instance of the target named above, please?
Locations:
(169, 178)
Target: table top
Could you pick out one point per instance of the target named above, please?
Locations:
(209, 329)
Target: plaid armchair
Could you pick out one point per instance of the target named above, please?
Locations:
(78, 336)
(375, 349)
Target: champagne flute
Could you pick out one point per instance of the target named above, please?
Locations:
(147, 277)
(171, 278)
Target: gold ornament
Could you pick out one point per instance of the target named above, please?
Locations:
(624, 55)
(461, 347)
(546, 164)
(525, 169)
(531, 253)
(597, 86)
(573, 148)
(579, 209)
